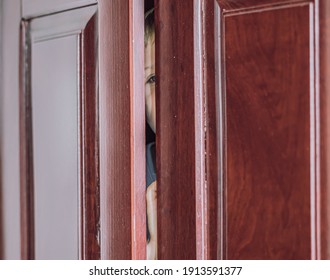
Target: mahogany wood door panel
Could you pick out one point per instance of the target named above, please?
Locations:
(268, 84)
(102, 77)
(242, 133)
(175, 141)
(323, 196)
(187, 201)
(122, 130)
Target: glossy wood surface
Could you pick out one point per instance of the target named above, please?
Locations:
(212, 169)
(268, 116)
(201, 187)
(122, 130)
(243, 5)
(242, 130)
(323, 197)
(89, 127)
(175, 141)
(138, 166)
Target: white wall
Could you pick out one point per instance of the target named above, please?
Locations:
(9, 133)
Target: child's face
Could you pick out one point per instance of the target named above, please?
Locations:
(150, 82)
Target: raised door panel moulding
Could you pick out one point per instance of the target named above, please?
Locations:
(42, 33)
(268, 110)
(236, 6)
(35, 8)
(61, 24)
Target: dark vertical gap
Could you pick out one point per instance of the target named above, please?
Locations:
(148, 4)
(150, 134)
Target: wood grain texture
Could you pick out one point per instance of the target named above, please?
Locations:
(212, 170)
(187, 133)
(176, 127)
(230, 6)
(137, 96)
(89, 139)
(201, 188)
(322, 27)
(122, 130)
(269, 132)
(206, 132)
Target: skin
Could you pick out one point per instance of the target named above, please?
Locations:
(150, 83)
(152, 221)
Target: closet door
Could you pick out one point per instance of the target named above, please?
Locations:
(271, 67)
(242, 117)
(242, 135)
(59, 133)
(122, 130)
(187, 201)
(82, 130)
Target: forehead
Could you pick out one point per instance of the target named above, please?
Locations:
(149, 51)
(150, 41)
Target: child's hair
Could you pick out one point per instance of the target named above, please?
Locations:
(149, 25)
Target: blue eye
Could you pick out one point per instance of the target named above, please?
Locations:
(152, 79)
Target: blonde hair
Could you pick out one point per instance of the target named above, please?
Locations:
(149, 25)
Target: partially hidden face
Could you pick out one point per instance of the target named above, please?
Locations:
(150, 82)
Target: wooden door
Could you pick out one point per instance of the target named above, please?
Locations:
(242, 117)
(82, 130)
(272, 118)
(122, 130)
(242, 144)
(187, 204)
